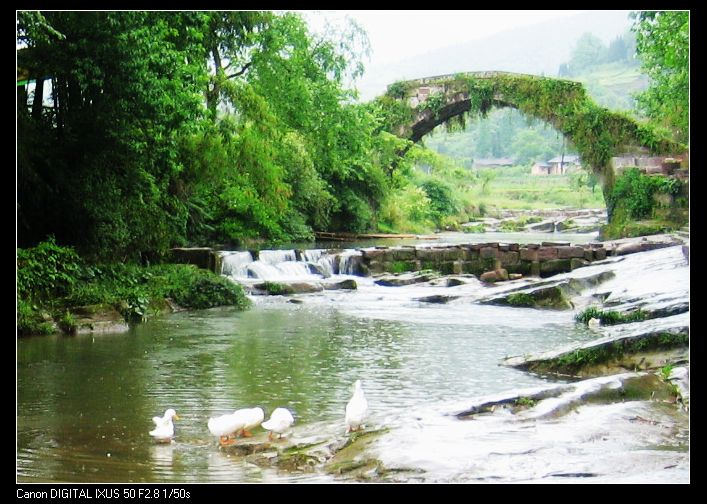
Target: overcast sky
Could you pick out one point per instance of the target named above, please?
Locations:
(397, 35)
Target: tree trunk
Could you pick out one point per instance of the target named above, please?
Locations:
(606, 175)
(38, 98)
(22, 98)
(213, 94)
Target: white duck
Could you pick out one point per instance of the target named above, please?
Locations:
(253, 418)
(279, 422)
(164, 430)
(356, 409)
(239, 422)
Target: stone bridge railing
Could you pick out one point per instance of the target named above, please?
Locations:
(542, 260)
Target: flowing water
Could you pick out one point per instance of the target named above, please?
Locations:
(85, 403)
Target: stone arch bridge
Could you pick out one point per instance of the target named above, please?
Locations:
(414, 108)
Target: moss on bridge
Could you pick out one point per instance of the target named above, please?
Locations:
(598, 133)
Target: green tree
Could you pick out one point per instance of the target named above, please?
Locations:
(663, 43)
(588, 51)
(96, 167)
(617, 50)
(530, 146)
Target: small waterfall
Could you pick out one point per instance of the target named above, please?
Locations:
(283, 265)
(235, 264)
(276, 256)
(322, 262)
(346, 264)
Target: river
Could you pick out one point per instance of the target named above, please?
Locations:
(85, 403)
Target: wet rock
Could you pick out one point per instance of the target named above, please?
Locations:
(318, 269)
(348, 284)
(99, 318)
(542, 227)
(551, 297)
(285, 289)
(498, 275)
(509, 257)
(589, 281)
(640, 345)
(557, 400)
(454, 282)
(488, 253)
(352, 457)
(406, 279)
(578, 263)
(555, 266)
(374, 254)
(436, 299)
(680, 377)
(626, 246)
(599, 254)
(528, 254)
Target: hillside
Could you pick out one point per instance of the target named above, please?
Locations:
(613, 84)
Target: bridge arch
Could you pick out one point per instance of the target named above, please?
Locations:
(414, 108)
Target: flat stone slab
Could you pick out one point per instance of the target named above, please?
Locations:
(625, 246)
(406, 279)
(654, 343)
(556, 400)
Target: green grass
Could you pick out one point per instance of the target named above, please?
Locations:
(665, 371)
(521, 299)
(610, 317)
(526, 402)
(402, 266)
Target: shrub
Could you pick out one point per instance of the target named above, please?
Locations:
(634, 191)
(441, 200)
(30, 320)
(208, 290)
(67, 323)
(46, 271)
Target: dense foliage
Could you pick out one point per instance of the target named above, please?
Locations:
(635, 192)
(52, 280)
(140, 131)
(663, 43)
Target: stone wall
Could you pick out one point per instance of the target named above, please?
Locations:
(543, 260)
(203, 257)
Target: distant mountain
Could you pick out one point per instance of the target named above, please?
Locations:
(536, 49)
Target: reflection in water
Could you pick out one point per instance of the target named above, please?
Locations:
(162, 456)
